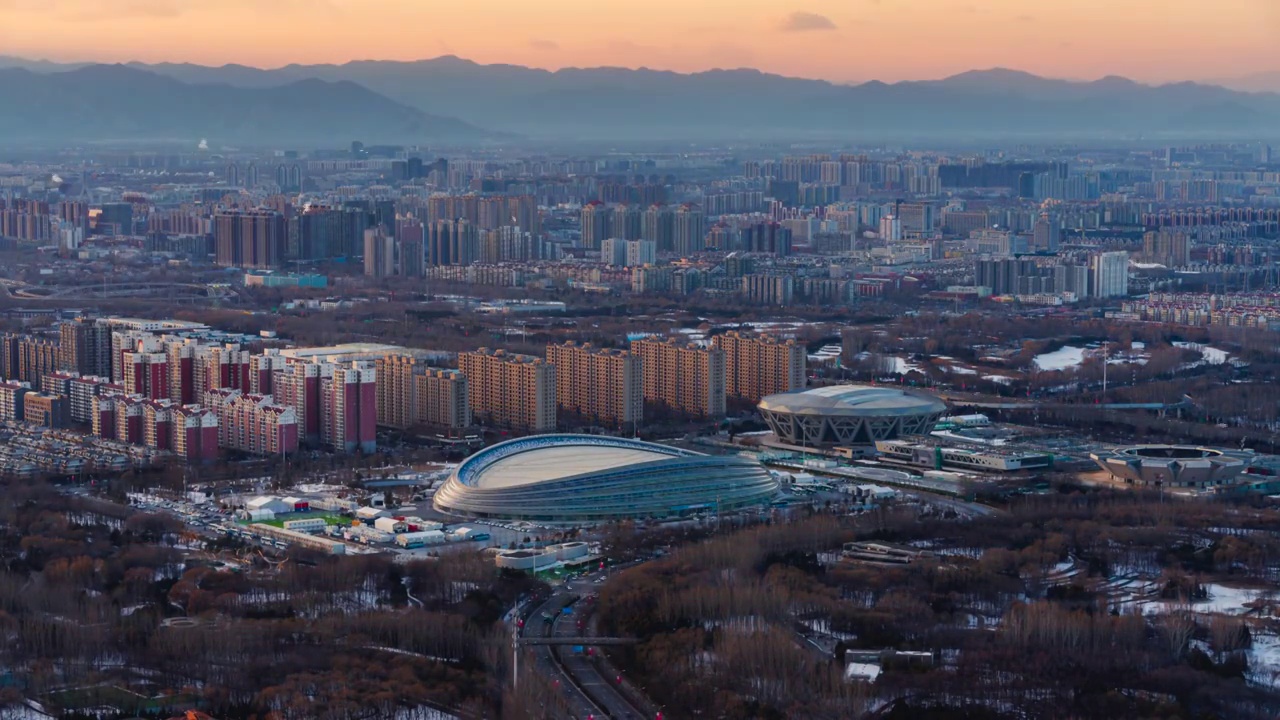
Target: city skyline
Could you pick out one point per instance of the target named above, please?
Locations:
(887, 40)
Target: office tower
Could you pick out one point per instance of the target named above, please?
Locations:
(84, 347)
(452, 242)
(626, 222)
(595, 225)
(379, 253)
(890, 228)
(1110, 271)
(251, 176)
(250, 240)
(254, 424)
(689, 232)
(760, 365)
(681, 378)
(657, 225)
(231, 174)
(411, 238)
(510, 390)
(769, 289)
(598, 385)
(1168, 247)
(412, 393)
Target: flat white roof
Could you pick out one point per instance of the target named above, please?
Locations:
(555, 462)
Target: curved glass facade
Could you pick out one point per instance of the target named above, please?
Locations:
(680, 482)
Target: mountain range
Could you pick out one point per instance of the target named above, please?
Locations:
(451, 98)
(114, 102)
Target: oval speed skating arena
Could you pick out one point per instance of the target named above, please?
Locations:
(579, 478)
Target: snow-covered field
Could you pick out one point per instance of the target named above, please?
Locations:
(1062, 359)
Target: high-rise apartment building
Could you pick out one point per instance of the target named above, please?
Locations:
(410, 393)
(412, 248)
(249, 239)
(510, 390)
(254, 424)
(379, 253)
(452, 242)
(37, 357)
(349, 406)
(595, 224)
(599, 385)
(1169, 247)
(682, 377)
(658, 226)
(1110, 274)
(689, 230)
(760, 365)
(84, 347)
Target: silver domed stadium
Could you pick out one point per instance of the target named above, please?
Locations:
(849, 414)
(566, 478)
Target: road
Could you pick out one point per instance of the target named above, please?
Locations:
(589, 692)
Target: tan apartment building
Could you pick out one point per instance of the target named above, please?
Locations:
(601, 385)
(410, 392)
(760, 365)
(682, 377)
(510, 390)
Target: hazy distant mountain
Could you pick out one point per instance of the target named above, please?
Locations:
(1257, 82)
(618, 104)
(114, 102)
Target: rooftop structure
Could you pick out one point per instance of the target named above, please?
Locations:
(849, 414)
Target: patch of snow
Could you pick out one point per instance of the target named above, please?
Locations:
(1147, 266)
(861, 671)
(1001, 379)
(961, 370)
(1211, 355)
(1061, 359)
(1264, 660)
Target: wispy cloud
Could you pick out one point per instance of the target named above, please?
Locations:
(801, 21)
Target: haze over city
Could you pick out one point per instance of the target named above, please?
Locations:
(569, 360)
(857, 40)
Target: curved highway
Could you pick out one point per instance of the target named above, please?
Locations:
(591, 695)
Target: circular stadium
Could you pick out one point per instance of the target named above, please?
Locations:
(849, 414)
(584, 478)
(1182, 466)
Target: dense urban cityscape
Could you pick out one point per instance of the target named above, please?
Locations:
(353, 391)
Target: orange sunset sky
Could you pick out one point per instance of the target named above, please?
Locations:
(840, 40)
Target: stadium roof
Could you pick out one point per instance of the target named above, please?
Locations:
(859, 400)
(553, 462)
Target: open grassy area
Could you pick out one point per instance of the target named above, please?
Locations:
(329, 518)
